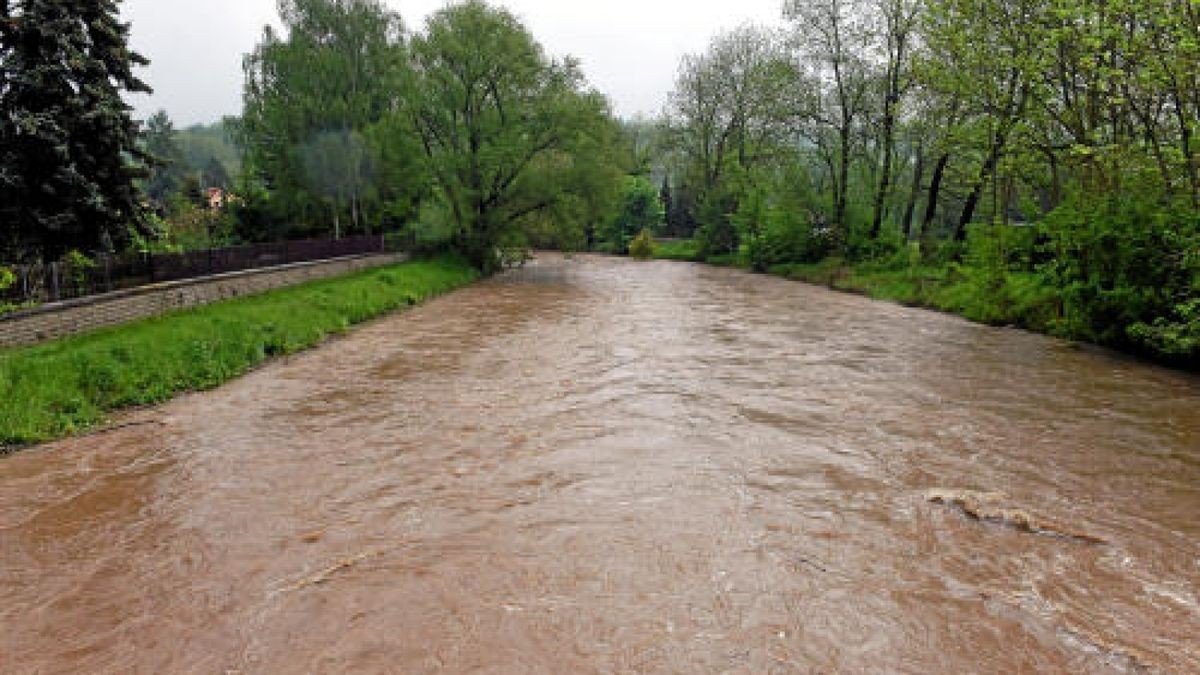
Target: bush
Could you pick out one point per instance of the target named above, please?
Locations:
(640, 209)
(1121, 263)
(7, 277)
(79, 269)
(1177, 337)
(717, 233)
(642, 247)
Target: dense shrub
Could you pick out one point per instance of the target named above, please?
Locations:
(642, 247)
(717, 234)
(640, 208)
(1128, 271)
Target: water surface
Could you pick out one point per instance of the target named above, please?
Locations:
(596, 465)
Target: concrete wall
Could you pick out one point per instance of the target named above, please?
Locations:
(71, 317)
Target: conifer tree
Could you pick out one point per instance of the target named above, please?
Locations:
(69, 157)
(166, 172)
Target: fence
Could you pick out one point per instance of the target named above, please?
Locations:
(105, 273)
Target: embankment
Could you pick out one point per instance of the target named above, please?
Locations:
(61, 388)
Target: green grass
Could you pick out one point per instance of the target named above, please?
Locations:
(999, 298)
(65, 387)
(1002, 298)
(676, 249)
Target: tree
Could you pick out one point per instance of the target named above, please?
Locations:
(899, 25)
(730, 113)
(336, 165)
(994, 59)
(640, 209)
(730, 104)
(834, 36)
(166, 157)
(70, 147)
(337, 72)
(500, 124)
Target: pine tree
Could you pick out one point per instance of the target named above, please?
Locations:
(166, 172)
(69, 157)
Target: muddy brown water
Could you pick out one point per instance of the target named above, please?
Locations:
(601, 466)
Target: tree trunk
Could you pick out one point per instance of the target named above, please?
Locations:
(985, 172)
(910, 209)
(842, 230)
(885, 178)
(935, 190)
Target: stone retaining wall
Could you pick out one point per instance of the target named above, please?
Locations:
(71, 317)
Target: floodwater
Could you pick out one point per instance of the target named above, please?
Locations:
(595, 465)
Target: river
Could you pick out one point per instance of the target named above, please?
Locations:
(596, 465)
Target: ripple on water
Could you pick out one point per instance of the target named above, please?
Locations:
(595, 465)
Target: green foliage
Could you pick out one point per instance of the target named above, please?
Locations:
(751, 221)
(1045, 154)
(167, 170)
(193, 228)
(337, 165)
(311, 97)
(677, 249)
(1127, 269)
(1008, 277)
(717, 232)
(640, 209)
(69, 154)
(66, 387)
(510, 135)
(7, 277)
(643, 247)
(1176, 337)
(78, 269)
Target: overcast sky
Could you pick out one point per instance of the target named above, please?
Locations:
(630, 48)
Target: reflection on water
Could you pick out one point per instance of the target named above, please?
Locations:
(598, 465)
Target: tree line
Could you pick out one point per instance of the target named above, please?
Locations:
(1040, 154)
(1045, 148)
(463, 135)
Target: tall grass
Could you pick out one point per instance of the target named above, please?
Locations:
(65, 387)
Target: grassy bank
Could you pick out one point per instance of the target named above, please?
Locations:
(64, 387)
(676, 249)
(1009, 299)
(993, 296)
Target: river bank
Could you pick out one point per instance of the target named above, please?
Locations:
(990, 297)
(68, 386)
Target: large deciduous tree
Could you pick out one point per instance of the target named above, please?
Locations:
(834, 37)
(730, 112)
(502, 125)
(69, 152)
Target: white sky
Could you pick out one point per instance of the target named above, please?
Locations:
(630, 49)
